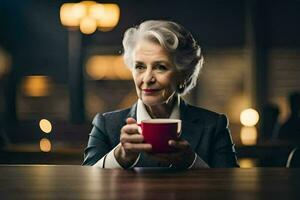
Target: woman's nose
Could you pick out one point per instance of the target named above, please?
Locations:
(148, 77)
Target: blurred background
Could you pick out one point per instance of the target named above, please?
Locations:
(60, 64)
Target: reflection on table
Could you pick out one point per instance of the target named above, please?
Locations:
(77, 182)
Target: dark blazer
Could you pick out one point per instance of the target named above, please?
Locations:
(206, 131)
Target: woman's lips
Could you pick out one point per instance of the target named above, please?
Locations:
(149, 91)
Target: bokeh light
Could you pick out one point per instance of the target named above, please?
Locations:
(110, 18)
(5, 62)
(108, 67)
(88, 15)
(71, 13)
(249, 117)
(97, 11)
(88, 25)
(248, 135)
(36, 86)
(246, 163)
(45, 125)
(45, 145)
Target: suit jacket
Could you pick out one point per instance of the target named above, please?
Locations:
(206, 131)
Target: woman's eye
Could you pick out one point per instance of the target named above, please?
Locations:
(139, 67)
(162, 67)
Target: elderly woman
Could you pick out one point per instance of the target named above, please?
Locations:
(165, 61)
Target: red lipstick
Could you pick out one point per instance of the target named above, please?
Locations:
(149, 90)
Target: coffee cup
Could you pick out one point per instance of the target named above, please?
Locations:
(158, 132)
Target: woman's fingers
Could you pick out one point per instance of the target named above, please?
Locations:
(130, 120)
(137, 147)
(179, 144)
(135, 138)
(129, 132)
(130, 129)
(131, 140)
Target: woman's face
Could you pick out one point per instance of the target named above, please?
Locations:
(154, 75)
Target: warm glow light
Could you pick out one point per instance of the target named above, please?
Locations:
(246, 163)
(71, 14)
(45, 125)
(87, 4)
(249, 117)
(236, 104)
(5, 62)
(36, 86)
(45, 145)
(88, 14)
(107, 67)
(110, 17)
(97, 11)
(88, 25)
(248, 135)
(121, 69)
(79, 10)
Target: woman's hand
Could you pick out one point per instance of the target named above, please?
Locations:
(131, 144)
(182, 157)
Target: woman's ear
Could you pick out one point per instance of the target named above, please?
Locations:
(180, 88)
(181, 83)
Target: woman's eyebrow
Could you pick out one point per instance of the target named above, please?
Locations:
(139, 62)
(161, 62)
(153, 63)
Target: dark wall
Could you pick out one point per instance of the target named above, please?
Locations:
(32, 33)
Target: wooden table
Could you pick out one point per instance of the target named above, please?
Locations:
(77, 182)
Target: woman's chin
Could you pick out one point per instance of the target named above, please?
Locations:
(152, 101)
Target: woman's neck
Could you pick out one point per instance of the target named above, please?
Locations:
(161, 111)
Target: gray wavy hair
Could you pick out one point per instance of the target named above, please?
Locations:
(176, 40)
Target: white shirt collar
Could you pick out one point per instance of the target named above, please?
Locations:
(142, 113)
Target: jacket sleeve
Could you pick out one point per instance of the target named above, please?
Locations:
(98, 143)
(223, 152)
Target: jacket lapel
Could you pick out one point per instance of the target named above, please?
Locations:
(192, 127)
(132, 112)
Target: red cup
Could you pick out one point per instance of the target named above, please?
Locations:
(158, 132)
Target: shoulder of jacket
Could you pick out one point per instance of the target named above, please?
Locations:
(208, 117)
